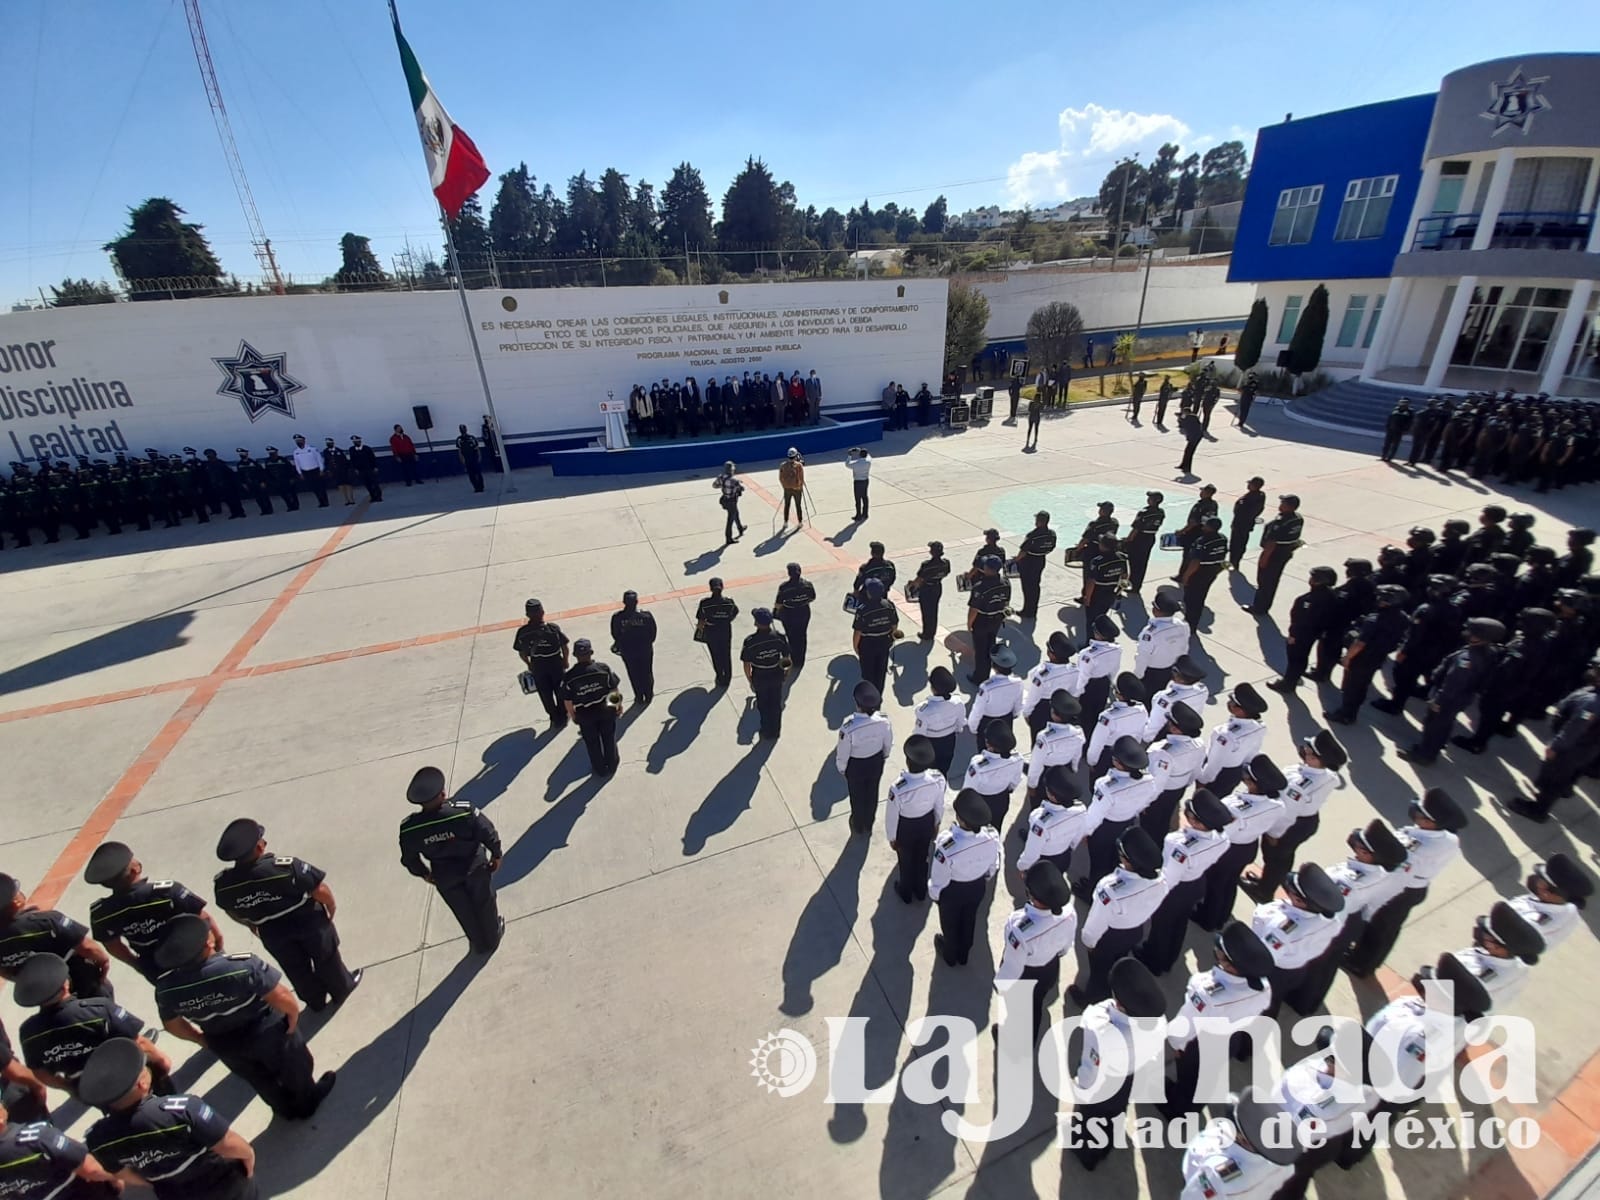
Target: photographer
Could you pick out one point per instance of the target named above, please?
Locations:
(730, 490)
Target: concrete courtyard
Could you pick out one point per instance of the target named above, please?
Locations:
(299, 668)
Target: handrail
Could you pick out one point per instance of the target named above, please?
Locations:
(1527, 229)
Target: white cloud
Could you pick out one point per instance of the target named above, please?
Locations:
(1091, 135)
(1037, 178)
(1111, 129)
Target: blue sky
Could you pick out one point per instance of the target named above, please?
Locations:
(987, 103)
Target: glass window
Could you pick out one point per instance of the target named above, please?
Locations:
(1452, 186)
(1290, 318)
(1366, 208)
(1296, 216)
(1509, 330)
(1372, 324)
(1350, 327)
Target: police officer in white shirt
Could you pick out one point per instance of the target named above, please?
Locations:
(865, 740)
(1331, 1086)
(994, 773)
(1186, 686)
(1133, 995)
(1557, 889)
(939, 718)
(859, 460)
(1235, 742)
(308, 466)
(1035, 937)
(1236, 1158)
(965, 858)
(1093, 669)
(1120, 908)
(1431, 845)
(1123, 717)
(1298, 926)
(1369, 878)
(1256, 808)
(1187, 854)
(1044, 680)
(1236, 989)
(1119, 797)
(999, 698)
(1174, 759)
(1057, 825)
(912, 817)
(1060, 742)
(1504, 947)
(1308, 786)
(1163, 640)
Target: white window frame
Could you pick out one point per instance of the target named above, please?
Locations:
(1355, 310)
(1372, 322)
(1286, 327)
(1356, 223)
(1296, 201)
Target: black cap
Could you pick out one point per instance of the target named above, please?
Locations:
(1326, 747)
(1471, 998)
(532, 606)
(1104, 628)
(1045, 884)
(1392, 593)
(1207, 487)
(1064, 705)
(1494, 512)
(1253, 1116)
(1060, 786)
(942, 681)
(1311, 883)
(866, 696)
(1127, 751)
(1358, 566)
(1325, 575)
(582, 646)
(1167, 600)
(1247, 698)
(972, 810)
(183, 941)
(1266, 775)
(108, 863)
(1156, 497)
(426, 785)
(1240, 945)
(1059, 645)
(110, 1072)
(1381, 843)
(239, 838)
(1185, 718)
(1135, 989)
(1003, 656)
(1566, 877)
(1486, 628)
(1131, 688)
(714, 583)
(1515, 932)
(9, 888)
(935, 547)
(1441, 808)
(1290, 499)
(1188, 670)
(39, 980)
(1143, 855)
(999, 736)
(793, 569)
(919, 752)
(1205, 808)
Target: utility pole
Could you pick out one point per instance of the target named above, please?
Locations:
(1125, 164)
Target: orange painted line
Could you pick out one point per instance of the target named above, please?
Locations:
(45, 710)
(115, 803)
(806, 527)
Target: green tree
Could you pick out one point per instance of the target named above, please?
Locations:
(830, 233)
(359, 269)
(1110, 197)
(643, 219)
(578, 235)
(474, 247)
(1305, 347)
(1187, 192)
(160, 246)
(752, 215)
(614, 201)
(1160, 184)
(1252, 337)
(74, 292)
(858, 225)
(685, 213)
(966, 321)
(1054, 332)
(935, 216)
(906, 226)
(1222, 173)
(514, 227)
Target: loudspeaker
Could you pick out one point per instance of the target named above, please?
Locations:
(422, 417)
(1283, 360)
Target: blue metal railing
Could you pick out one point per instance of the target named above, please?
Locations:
(1512, 230)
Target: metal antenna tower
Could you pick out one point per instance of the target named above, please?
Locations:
(230, 149)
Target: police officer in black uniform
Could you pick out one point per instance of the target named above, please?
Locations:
(1142, 533)
(1309, 618)
(239, 1008)
(253, 480)
(456, 848)
(1379, 635)
(927, 588)
(364, 462)
(1395, 428)
(766, 660)
(1039, 543)
(282, 479)
(287, 903)
(714, 626)
(1102, 581)
(193, 1154)
(131, 920)
(1280, 538)
(223, 485)
(589, 691)
(986, 613)
(1207, 555)
(471, 457)
(1353, 599)
(26, 931)
(1455, 684)
(58, 1039)
(1247, 510)
(792, 606)
(543, 648)
(877, 622)
(1434, 631)
(1574, 749)
(876, 567)
(633, 636)
(39, 1162)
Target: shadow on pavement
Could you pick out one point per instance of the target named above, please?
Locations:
(110, 649)
(729, 797)
(823, 930)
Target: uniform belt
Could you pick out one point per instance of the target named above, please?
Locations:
(295, 907)
(593, 703)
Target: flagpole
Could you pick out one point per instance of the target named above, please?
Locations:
(477, 355)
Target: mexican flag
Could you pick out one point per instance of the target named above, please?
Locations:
(455, 168)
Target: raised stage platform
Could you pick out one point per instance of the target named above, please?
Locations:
(690, 454)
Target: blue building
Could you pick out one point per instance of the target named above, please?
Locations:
(1456, 232)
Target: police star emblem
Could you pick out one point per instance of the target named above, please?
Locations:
(260, 382)
(1513, 104)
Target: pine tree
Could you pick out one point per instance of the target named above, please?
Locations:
(359, 269)
(1252, 337)
(1305, 347)
(474, 247)
(74, 292)
(164, 257)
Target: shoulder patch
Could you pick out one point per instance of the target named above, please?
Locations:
(241, 957)
(162, 885)
(284, 860)
(175, 1104)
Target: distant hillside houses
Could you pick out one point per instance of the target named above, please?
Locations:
(993, 217)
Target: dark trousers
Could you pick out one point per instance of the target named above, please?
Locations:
(1170, 925)
(719, 641)
(958, 917)
(1032, 436)
(928, 598)
(798, 500)
(1246, 402)
(640, 665)
(1383, 931)
(1102, 1113)
(475, 473)
(369, 480)
(768, 687)
(319, 486)
(597, 726)
(1391, 445)
(1269, 570)
(235, 507)
(1113, 944)
(1031, 570)
(1156, 819)
(263, 499)
(1357, 683)
(1093, 702)
(1103, 848)
(408, 468)
(1238, 543)
(288, 493)
(984, 630)
(471, 900)
(1556, 778)
(308, 952)
(273, 1061)
(861, 498)
(861, 778)
(1046, 978)
(1410, 675)
(912, 839)
(1155, 678)
(1222, 886)
(731, 507)
(1436, 727)
(1138, 549)
(999, 807)
(874, 655)
(944, 753)
(1277, 858)
(547, 678)
(1187, 465)
(1195, 592)
(796, 624)
(1296, 658)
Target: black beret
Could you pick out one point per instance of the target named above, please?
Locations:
(1311, 883)
(1266, 775)
(972, 810)
(1240, 946)
(1060, 786)
(1325, 574)
(1247, 698)
(1204, 807)
(1186, 668)
(1059, 645)
(1003, 658)
(942, 681)
(40, 979)
(1381, 842)
(1168, 600)
(1471, 998)
(919, 752)
(1392, 593)
(999, 736)
(183, 941)
(1135, 989)
(1185, 718)
(1127, 751)
(1064, 705)
(239, 838)
(1326, 747)
(1567, 877)
(1045, 884)
(1104, 628)
(866, 696)
(1131, 688)
(1486, 628)
(1290, 499)
(1440, 807)
(426, 785)
(110, 1072)
(109, 861)
(1155, 497)
(1253, 1117)
(1515, 932)
(1143, 855)
(9, 888)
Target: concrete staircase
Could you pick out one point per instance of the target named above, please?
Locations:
(1352, 404)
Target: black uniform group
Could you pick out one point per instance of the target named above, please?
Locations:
(757, 401)
(1531, 439)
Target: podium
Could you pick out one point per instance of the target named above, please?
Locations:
(614, 416)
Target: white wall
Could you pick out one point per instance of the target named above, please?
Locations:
(1110, 299)
(363, 361)
(1336, 359)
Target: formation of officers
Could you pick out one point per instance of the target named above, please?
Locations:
(1531, 439)
(756, 401)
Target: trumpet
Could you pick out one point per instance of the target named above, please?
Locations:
(898, 633)
(964, 581)
(615, 700)
(911, 588)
